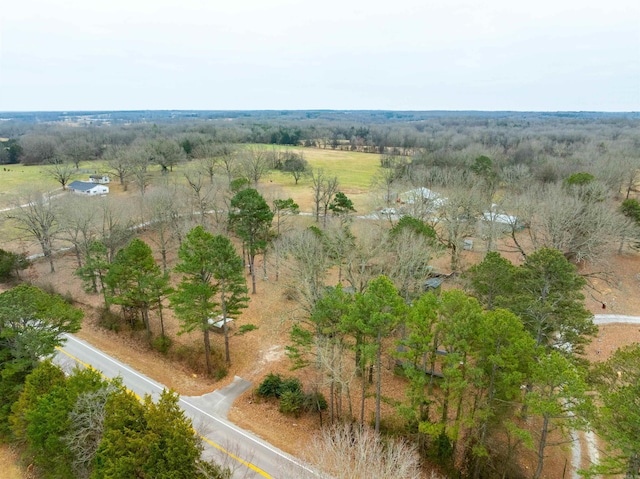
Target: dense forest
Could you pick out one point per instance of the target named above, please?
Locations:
(492, 366)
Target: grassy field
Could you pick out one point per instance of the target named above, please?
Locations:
(354, 170)
(16, 179)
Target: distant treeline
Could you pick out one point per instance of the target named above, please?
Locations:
(364, 116)
(54, 137)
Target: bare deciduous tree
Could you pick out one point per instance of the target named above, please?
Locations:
(165, 152)
(317, 179)
(77, 149)
(36, 215)
(78, 223)
(139, 161)
(516, 177)
(494, 223)
(202, 193)
(228, 157)
(363, 261)
(581, 228)
(456, 220)
(208, 159)
(324, 188)
(387, 176)
(254, 164)
(622, 174)
(628, 234)
(408, 265)
(86, 427)
(295, 164)
(62, 172)
(118, 163)
(307, 262)
(330, 188)
(161, 207)
(116, 227)
(348, 451)
(38, 149)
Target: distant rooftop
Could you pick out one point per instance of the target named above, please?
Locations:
(81, 185)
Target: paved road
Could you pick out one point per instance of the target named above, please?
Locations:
(246, 454)
(615, 318)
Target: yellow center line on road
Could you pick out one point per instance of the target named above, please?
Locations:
(233, 456)
(208, 441)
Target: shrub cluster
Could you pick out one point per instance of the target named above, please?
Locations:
(289, 392)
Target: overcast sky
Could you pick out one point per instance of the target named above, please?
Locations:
(325, 54)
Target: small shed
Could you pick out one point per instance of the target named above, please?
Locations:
(88, 189)
(217, 323)
(100, 179)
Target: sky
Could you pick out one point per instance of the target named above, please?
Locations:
(547, 55)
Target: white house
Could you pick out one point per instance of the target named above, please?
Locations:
(421, 196)
(101, 179)
(492, 216)
(88, 189)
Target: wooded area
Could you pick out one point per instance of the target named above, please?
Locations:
(493, 362)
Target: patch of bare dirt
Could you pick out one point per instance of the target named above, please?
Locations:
(10, 464)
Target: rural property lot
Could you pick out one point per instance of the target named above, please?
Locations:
(260, 352)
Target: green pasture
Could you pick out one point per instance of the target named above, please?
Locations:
(354, 170)
(16, 180)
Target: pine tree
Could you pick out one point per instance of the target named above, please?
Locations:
(136, 281)
(228, 273)
(250, 218)
(194, 300)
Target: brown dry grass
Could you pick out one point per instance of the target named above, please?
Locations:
(259, 352)
(10, 464)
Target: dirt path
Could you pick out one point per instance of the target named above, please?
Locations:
(584, 457)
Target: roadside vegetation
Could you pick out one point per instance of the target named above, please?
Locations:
(201, 213)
